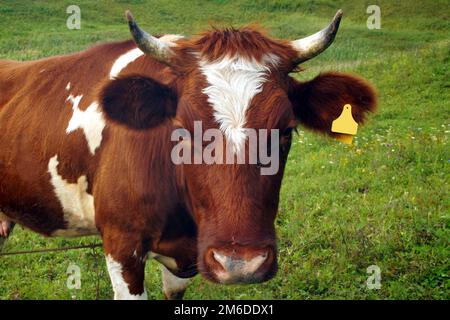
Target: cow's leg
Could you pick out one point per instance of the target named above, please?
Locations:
(6, 227)
(125, 263)
(173, 286)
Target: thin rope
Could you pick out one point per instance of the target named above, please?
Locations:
(87, 246)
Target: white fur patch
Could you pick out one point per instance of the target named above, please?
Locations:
(233, 83)
(172, 284)
(171, 38)
(164, 260)
(123, 61)
(120, 287)
(68, 86)
(77, 204)
(91, 121)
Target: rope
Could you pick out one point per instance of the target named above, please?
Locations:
(87, 246)
(92, 246)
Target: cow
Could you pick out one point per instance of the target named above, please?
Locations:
(87, 140)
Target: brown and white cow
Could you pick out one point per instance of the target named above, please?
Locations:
(85, 148)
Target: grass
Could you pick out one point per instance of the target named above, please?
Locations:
(383, 201)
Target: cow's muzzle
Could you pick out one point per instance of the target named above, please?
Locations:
(236, 264)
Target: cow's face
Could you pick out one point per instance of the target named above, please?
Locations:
(236, 108)
(243, 110)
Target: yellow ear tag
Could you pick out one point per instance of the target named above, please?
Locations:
(345, 126)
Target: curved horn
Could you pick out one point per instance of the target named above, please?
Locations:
(311, 46)
(153, 47)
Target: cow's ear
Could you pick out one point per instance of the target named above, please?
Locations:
(319, 102)
(137, 102)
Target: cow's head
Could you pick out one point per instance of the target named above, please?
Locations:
(232, 80)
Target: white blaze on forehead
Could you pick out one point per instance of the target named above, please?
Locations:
(76, 202)
(91, 121)
(120, 287)
(68, 86)
(123, 61)
(233, 83)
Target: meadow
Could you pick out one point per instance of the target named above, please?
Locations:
(383, 201)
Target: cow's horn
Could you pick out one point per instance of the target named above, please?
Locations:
(311, 46)
(150, 45)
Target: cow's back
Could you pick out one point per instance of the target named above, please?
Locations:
(51, 134)
(8, 72)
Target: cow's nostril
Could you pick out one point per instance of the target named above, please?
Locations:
(220, 258)
(240, 264)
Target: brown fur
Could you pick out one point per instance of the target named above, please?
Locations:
(250, 42)
(143, 202)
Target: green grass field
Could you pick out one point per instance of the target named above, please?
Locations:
(383, 201)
